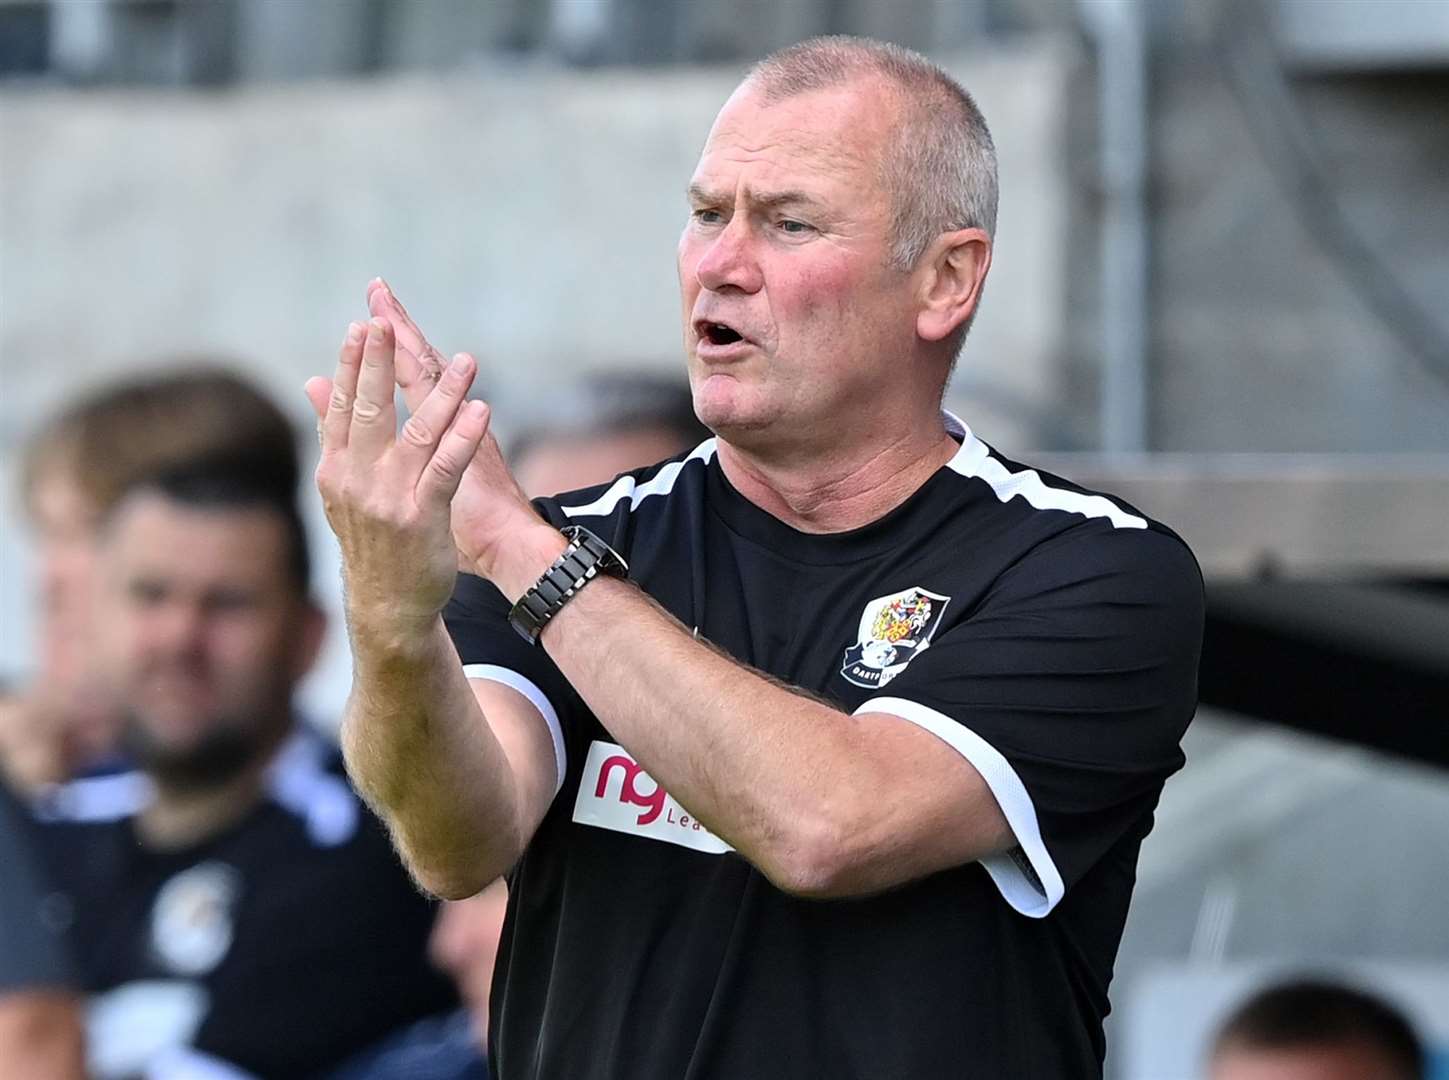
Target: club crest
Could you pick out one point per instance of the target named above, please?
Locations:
(893, 630)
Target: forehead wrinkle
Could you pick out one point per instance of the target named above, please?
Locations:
(761, 198)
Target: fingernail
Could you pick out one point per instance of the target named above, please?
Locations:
(354, 333)
(378, 326)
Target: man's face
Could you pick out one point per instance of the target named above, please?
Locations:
(564, 464)
(1335, 1061)
(65, 534)
(203, 633)
(794, 319)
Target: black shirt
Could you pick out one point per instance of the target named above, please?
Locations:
(1048, 634)
(32, 950)
(283, 945)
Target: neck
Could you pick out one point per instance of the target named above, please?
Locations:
(179, 817)
(837, 491)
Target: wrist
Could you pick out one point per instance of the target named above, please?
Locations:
(525, 559)
(382, 634)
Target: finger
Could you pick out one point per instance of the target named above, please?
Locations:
(419, 364)
(374, 417)
(342, 390)
(318, 389)
(445, 469)
(428, 424)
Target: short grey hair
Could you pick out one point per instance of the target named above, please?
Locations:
(940, 169)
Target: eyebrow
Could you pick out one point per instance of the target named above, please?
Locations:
(769, 201)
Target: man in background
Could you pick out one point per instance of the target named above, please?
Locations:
(605, 424)
(233, 901)
(75, 466)
(1313, 1029)
(608, 423)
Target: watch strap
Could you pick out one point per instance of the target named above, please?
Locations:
(584, 559)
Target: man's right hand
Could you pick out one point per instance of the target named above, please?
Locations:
(387, 493)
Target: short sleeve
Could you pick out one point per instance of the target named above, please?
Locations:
(32, 953)
(1068, 687)
(489, 647)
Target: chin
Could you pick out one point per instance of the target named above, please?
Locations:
(723, 407)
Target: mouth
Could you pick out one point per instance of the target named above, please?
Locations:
(717, 333)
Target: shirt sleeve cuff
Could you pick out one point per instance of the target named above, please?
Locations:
(1026, 876)
(537, 698)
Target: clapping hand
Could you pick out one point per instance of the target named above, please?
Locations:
(409, 505)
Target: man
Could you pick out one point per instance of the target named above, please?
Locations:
(849, 776)
(1311, 1029)
(77, 464)
(234, 904)
(40, 1026)
(606, 424)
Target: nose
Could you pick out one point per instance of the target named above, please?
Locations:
(179, 629)
(729, 260)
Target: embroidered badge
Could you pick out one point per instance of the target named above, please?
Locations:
(193, 919)
(893, 631)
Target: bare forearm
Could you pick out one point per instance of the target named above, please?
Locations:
(422, 754)
(774, 772)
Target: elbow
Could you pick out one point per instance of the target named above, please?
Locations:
(450, 884)
(455, 878)
(460, 870)
(814, 862)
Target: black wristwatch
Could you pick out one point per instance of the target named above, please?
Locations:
(584, 559)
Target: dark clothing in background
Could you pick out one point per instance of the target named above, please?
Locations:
(32, 950)
(284, 945)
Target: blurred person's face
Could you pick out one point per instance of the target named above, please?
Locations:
(788, 247)
(551, 466)
(204, 634)
(66, 546)
(464, 943)
(1341, 1061)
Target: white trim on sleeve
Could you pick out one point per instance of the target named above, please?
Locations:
(538, 699)
(1016, 888)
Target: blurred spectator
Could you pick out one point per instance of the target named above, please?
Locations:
(233, 902)
(40, 1025)
(1316, 1030)
(73, 470)
(465, 945)
(606, 424)
(609, 423)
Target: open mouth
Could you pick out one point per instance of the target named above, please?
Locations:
(718, 333)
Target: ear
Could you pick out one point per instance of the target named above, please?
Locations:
(311, 632)
(953, 271)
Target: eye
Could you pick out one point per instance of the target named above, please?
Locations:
(144, 593)
(791, 227)
(706, 216)
(226, 601)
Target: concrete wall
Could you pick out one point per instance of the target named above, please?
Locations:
(530, 215)
(1262, 334)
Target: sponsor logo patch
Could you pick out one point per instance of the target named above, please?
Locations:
(894, 630)
(617, 794)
